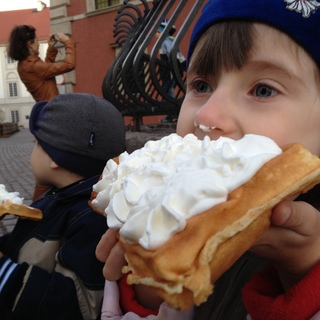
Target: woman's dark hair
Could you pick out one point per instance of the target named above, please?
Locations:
(223, 45)
(18, 41)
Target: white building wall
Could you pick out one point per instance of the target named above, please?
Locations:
(23, 103)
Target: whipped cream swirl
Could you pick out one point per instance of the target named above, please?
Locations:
(151, 193)
(14, 197)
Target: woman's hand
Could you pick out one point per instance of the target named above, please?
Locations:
(51, 41)
(292, 243)
(62, 37)
(110, 251)
(54, 38)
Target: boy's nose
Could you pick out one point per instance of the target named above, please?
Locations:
(216, 113)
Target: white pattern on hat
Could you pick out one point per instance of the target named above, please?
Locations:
(306, 7)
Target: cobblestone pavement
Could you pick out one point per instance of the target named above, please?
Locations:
(15, 170)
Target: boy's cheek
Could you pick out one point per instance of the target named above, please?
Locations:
(185, 123)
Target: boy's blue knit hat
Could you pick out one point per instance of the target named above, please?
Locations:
(79, 131)
(300, 19)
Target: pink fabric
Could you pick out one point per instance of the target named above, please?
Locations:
(111, 308)
(128, 301)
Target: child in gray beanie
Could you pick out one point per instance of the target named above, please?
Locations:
(80, 132)
(48, 268)
(253, 68)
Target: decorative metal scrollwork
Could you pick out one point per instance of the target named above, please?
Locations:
(133, 82)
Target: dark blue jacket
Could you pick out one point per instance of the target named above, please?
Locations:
(49, 270)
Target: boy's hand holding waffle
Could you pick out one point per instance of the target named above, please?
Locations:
(178, 238)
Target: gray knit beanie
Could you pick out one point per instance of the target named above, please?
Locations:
(79, 131)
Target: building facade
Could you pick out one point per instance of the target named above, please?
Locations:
(15, 101)
(90, 23)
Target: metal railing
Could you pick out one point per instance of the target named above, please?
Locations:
(133, 82)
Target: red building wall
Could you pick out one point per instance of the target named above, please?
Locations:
(94, 53)
(38, 19)
(93, 34)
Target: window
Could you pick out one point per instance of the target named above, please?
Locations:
(10, 60)
(15, 116)
(13, 90)
(106, 3)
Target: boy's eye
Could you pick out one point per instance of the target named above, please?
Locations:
(201, 86)
(264, 91)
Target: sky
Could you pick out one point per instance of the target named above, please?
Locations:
(8, 5)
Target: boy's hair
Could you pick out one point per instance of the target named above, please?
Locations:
(223, 46)
(79, 131)
(18, 41)
(300, 20)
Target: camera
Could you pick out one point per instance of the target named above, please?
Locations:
(55, 37)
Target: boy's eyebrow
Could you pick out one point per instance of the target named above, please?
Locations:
(275, 67)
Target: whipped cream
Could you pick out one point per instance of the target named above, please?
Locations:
(151, 193)
(14, 197)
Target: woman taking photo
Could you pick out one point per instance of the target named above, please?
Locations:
(37, 75)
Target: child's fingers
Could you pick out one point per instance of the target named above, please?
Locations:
(112, 270)
(105, 245)
(292, 224)
(299, 217)
(292, 242)
(110, 251)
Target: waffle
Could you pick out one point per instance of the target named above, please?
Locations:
(185, 268)
(19, 210)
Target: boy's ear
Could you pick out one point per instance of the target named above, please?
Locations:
(53, 165)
